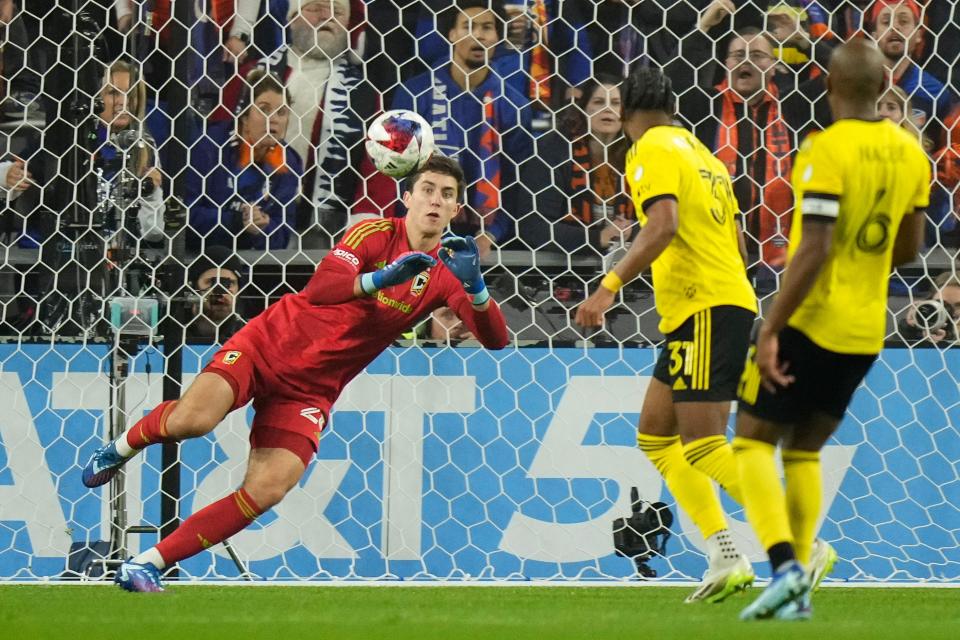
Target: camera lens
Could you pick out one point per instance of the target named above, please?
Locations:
(931, 315)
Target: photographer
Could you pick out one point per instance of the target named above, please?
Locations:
(215, 278)
(935, 318)
(244, 179)
(125, 156)
(124, 103)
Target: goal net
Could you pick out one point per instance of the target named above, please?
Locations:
(155, 198)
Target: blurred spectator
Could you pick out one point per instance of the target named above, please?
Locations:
(628, 32)
(848, 18)
(476, 118)
(215, 277)
(19, 66)
(576, 177)
(445, 326)
(14, 178)
(240, 34)
(935, 318)
(442, 325)
(894, 105)
(544, 54)
(896, 28)
(392, 25)
(124, 102)
(803, 40)
(941, 49)
(742, 121)
(332, 103)
(948, 184)
(124, 147)
(244, 179)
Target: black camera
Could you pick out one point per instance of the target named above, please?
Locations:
(930, 316)
(644, 534)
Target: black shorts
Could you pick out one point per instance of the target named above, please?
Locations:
(824, 381)
(703, 359)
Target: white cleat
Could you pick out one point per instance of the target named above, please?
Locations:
(822, 558)
(721, 581)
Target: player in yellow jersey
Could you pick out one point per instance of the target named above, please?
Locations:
(692, 240)
(861, 187)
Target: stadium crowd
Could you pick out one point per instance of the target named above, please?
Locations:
(525, 95)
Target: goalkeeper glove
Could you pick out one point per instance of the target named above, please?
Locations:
(462, 257)
(404, 268)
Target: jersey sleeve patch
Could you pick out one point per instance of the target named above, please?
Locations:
(825, 205)
(346, 256)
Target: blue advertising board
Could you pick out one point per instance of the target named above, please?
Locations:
(457, 463)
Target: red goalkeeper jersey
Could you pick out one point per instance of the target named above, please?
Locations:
(311, 344)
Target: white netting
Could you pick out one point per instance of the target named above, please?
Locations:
(121, 185)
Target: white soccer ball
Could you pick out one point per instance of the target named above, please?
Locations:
(399, 142)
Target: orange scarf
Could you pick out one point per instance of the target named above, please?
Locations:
(591, 185)
(274, 160)
(766, 159)
(540, 57)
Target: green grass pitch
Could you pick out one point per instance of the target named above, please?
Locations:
(34, 612)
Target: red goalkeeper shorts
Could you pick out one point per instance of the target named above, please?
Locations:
(282, 419)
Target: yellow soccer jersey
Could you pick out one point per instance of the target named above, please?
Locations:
(701, 267)
(865, 175)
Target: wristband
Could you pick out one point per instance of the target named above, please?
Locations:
(612, 282)
(367, 285)
(481, 297)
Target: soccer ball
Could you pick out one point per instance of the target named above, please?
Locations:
(399, 142)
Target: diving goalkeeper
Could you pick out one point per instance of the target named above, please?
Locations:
(297, 356)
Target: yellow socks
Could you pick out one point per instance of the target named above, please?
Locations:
(713, 456)
(763, 496)
(692, 490)
(804, 496)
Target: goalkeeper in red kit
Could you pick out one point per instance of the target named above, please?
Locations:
(296, 357)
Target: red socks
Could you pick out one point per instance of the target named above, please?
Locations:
(152, 428)
(212, 524)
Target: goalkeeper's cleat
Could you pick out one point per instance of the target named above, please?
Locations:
(787, 585)
(133, 576)
(822, 558)
(797, 610)
(102, 466)
(722, 581)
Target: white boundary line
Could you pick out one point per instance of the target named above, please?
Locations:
(466, 583)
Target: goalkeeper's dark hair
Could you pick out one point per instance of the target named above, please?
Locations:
(444, 165)
(647, 89)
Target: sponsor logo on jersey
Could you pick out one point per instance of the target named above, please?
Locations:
(231, 356)
(420, 283)
(346, 256)
(385, 300)
(314, 415)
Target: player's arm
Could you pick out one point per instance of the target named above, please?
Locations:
(799, 277)
(742, 241)
(909, 237)
(473, 304)
(339, 279)
(653, 239)
(485, 321)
